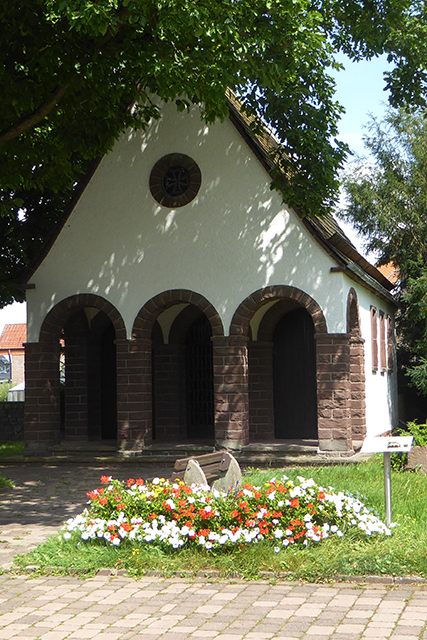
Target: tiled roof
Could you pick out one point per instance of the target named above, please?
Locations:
(390, 271)
(13, 336)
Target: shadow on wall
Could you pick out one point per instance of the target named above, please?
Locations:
(234, 237)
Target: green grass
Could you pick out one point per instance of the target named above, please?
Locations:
(11, 448)
(4, 388)
(5, 483)
(404, 553)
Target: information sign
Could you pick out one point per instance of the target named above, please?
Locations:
(387, 445)
(392, 444)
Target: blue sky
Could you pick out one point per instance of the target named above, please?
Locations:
(360, 89)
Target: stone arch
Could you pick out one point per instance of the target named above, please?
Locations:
(264, 375)
(59, 314)
(240, 322)
(167, 377)
(44, 410)
(353, 317)
(149, 313)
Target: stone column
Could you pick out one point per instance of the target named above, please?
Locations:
(357, 389)
(333, 391)
(230, 355)
(134, 402)
(42, 424)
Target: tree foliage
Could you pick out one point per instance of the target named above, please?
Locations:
(76, 73)
(387, 202)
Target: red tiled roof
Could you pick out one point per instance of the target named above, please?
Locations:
(13, 336)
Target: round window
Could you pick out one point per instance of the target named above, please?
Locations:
(175, 180)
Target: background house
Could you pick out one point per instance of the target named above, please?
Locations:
(12, 341)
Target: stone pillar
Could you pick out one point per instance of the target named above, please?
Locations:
(333, 391)
(357, 389)
(230, 357)
(261, 395)
(42, 425)
(134, 403)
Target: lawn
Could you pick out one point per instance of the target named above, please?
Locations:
(11, 448)
(402, 553)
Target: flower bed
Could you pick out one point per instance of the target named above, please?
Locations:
(173, 515)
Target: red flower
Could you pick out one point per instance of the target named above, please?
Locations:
(295, 503)
(126, 526)
(103, 500)
(204, 532)
(131, 481)
(121, 506)
(105, 479)
(93, 495)
(139, 481)
(321, 496)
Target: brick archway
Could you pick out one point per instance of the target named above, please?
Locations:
(56, 317)
(136, 393)
(261, 381)
(43, 405)
(240, 323)
(149, 313)
(332, 366)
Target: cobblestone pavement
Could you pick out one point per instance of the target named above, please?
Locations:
(110, 607)
(45, 495)
(120, 608)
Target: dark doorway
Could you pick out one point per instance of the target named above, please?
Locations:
(199, 380)
(89, 377)
(294, 373)
(108, 384)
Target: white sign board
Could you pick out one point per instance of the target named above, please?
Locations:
(390, 444)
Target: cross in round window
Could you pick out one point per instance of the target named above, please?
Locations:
(175, 180)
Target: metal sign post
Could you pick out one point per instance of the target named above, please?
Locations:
(401, 444)
(387, 487)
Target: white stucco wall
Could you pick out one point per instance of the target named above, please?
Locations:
(380, 388)
(234, 238)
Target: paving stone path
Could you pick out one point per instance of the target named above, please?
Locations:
(120, 608)
(45, 495)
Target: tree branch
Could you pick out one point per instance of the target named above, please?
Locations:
(29, 122)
